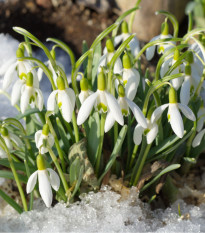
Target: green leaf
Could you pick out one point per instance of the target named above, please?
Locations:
(96, 59)
(166, 170)
(28, 112)
(18, 166)
(189, 7)
(30, 126)
(9, 175)
(84, 50)
(63, 134)
(11, 202)
(75, 170)
(80, 177)
(190, 160)
(93, 136)
(115, 152)
(13, 121)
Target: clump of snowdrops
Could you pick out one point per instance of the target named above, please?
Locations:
(112, 122)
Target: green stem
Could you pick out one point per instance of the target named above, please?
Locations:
(115, 132)
(190, 26)
(132, 16)
(133, 156)
(129, 140)
(70, 131)
(75, 127)
(55, 160)
(60, 152)
(99, 154)
(89, 70)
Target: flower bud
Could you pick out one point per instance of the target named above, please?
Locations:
(45, 130)
(124, 27)
(101, 81)
(4, 132)
(109, 45)
(40, 162)
(190, 57)
(172, 96)
(165, 28)
(121, 90)
(60, 83)
(176, 54)
(188, 69)
(84, 84)
(126, 61)
(29, 79)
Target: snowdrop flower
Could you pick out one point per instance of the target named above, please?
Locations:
(197, 140)
(41, 136)
(125, 104)
(66, 100)
(11, 141)
(164, 46)
(84, 90)
(103, 101)
(30, 94)
(106, 58)
(47, 178)
(134, 44)
(174, 116)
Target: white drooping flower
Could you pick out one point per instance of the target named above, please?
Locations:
(125, 104)
(65, 98)
(174, 116)
(85, 92)
(30, 94)
(43, 136)
(11, 141)
(197, 140)
(106, 58)
(103, 101)
(47, 178)
(130, 78)
(163, 47)
(150, 132)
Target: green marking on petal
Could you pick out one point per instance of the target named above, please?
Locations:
(102, 107)
(59, 104)
(22, 76)
(146, 131)
(168, 117)
(124, 112)
(160, 49)
(32, 99)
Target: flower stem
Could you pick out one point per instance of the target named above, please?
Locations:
(75, 127)
(133, 157)
(99, 153)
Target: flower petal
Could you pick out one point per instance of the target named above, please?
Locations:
(40, 74)
(39, 99)
(9, 76)
(54, 179)
(200, 119)
(139, 116)
(151, 135)
(3, 154)
(109, 122)
(31, 182)
(102, 62)
(175, 120)
(86, 108)
(51, 103)
(158, 112)
(187, 112)
(66, 107)
(114, 108)
(45, 187)
(197, 140)
(25, 98)
(134, 46)
(71, 95)
(137, 136)
(165, 67)
(37, 137)
(185, 91)
(6, 65)
(50, 140)
(150, 51)
(117, 67)
(16, 91)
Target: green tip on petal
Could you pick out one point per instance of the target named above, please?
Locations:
(188, 69)
(109, 45)
(45, 130)
(101, 81)
(60, 83)
(121, 90)
(40, 162)
(29, 79)
(124, 27)
(126, 61)
(19, 53)
(172, 96)
(84, 84)
(165, 28)
(176, 54)
(53, 54)
(189, 57)
(4, 131)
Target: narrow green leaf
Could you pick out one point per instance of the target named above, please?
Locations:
(84, 50)
(11, 202)
(166, 170)
(96, 59)
(13, 121)
(9, 175)
(80, 178)
(28, 112)
(18, 166)
(74, 170)
(63, 134)
(190, 160)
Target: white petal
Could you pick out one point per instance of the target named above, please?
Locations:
(31, 182)
(40, 74)
(25, 98)
(185, 91)
(200, 118)
(187, 112)
(137, 136)
(8, 142)
(37, 137)
(86, 108)
(39, 99)
(158, 112)
(3, 154)
(16, 91)
(150, 51)
(165, 67)
(9, 76)
(51, 103)
(134, 46)
(6, 65)
(102, 62)
(66, 107)
(118, 39)
(114, 108)
(117, 67)
(198, 138)
(176, 82)
(45, 187)
(109, 122)
(71, 95)
(151, 135)
(50, 140)
(176, 120)
(83, 96)
(54, 179)
(139, 116)
(16, 140)
(29, 68)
